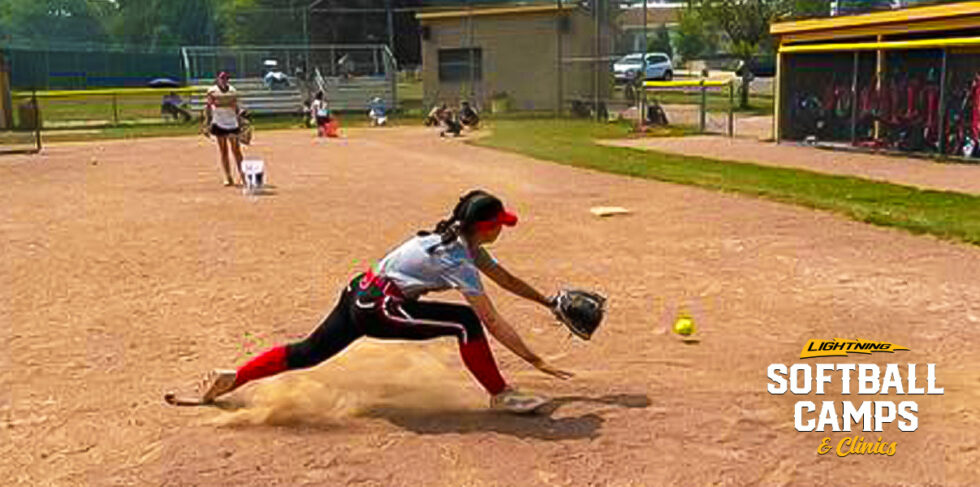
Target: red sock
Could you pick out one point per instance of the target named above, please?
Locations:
(271, 362)
(479, 359)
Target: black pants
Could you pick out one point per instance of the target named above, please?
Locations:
(453, 127)
(365, 310)
(218, 131)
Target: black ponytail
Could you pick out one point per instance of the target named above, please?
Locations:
(450, 228)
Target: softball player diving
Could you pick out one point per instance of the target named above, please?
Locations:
(384, 303)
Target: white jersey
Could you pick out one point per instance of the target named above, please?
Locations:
(319, 109)
(223, 109)
(416, 271)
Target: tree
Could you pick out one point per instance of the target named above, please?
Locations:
(804, 9)
(693, 40)
(660, 42)
(746, 23)
(365, 22)
(160, 23)
(263, 21)
(54, 21)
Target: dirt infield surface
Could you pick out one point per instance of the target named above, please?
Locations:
(132, 273)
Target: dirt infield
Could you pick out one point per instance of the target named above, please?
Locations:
(128, 270)
(909, 171)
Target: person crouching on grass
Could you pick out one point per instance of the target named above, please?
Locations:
(468, 116)
(384, 303)
(451, 124)
(221, 120)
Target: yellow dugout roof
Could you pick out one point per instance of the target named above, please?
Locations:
(927, 18)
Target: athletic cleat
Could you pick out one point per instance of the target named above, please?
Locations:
(217, 383)
(514, 401)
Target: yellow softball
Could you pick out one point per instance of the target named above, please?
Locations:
(684, 326)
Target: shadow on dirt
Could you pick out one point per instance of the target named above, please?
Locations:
(539, 426)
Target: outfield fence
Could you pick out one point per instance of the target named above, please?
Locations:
(350, 75)
(111, 107)
(80, 66)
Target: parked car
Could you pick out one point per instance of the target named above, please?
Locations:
(761, 66)
(630, 65)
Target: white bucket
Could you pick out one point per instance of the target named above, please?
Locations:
(254, 171)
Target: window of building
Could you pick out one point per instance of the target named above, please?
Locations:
(461, 64)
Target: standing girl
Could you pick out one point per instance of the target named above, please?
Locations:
(221, 121)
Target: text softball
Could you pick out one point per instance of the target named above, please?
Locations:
(846, 416)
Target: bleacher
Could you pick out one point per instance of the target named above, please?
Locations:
(355, 93)
(342, 94)
(254, 96)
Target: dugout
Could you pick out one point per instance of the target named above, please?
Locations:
(522, 57)
(905, 80)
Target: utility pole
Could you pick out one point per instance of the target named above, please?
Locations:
(596, 63)
(391, 27)
(559, 25)
(469, 24)
(643, 74)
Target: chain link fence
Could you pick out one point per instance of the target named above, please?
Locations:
(20, 124)
(81, 67)
(707, 106)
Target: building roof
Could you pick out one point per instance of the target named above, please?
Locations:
(492, 10)
(878, 20)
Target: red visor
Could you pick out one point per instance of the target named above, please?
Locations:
(503, 218)
(223, 75)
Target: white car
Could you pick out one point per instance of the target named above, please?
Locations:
(658, 67)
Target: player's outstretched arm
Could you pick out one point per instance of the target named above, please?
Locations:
(508, 281)
(505, 334)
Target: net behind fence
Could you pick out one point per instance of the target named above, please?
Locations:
(354, 60)
(277, 77)
(77, 68)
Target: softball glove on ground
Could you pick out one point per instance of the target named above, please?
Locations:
(580, 311)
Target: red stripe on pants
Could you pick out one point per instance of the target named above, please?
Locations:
(479, 359)
(271, 362)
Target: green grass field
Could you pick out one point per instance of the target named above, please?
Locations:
(132, 131)
(91, 111)
(99, 109)
(95, 109)
(943, 214)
